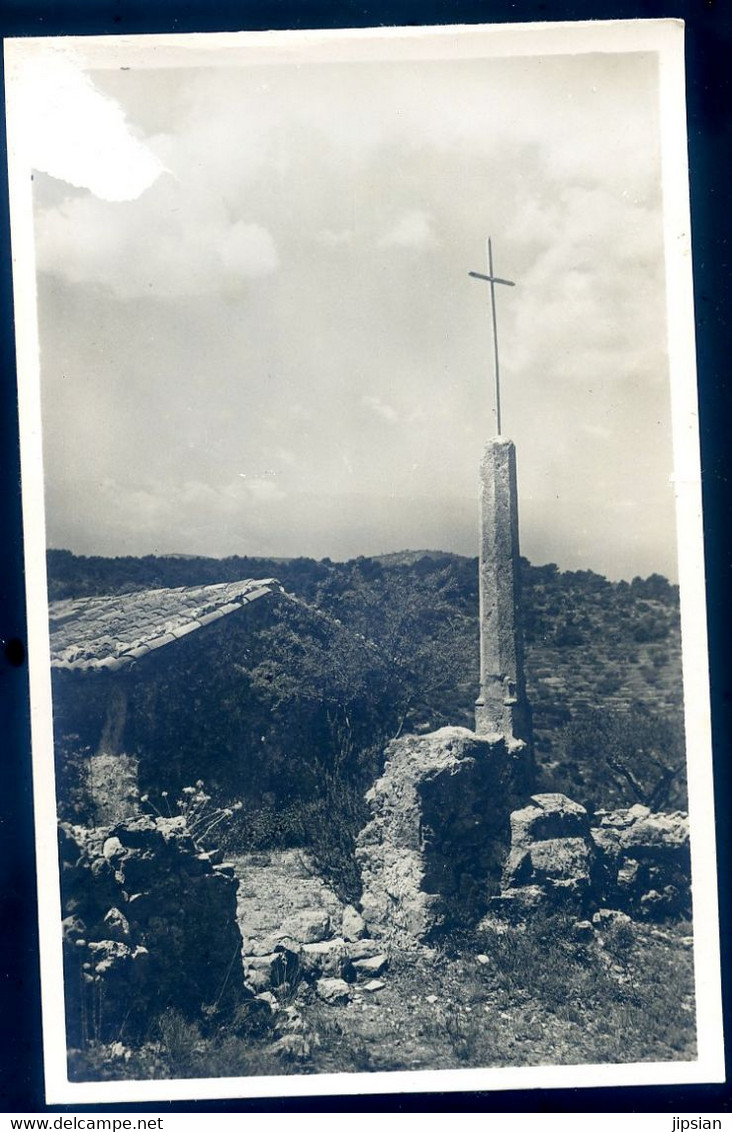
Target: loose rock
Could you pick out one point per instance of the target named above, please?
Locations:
(332, 990)
(373, 966)
(353, 926)
(583, 930)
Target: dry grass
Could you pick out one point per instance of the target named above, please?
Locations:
(536, 996)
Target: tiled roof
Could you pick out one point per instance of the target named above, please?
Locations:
(113, 631)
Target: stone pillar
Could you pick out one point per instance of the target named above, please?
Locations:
(501, 707)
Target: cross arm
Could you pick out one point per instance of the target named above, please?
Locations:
(491, 278)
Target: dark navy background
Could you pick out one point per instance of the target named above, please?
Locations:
(709, 66)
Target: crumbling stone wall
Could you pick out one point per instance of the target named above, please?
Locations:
(629, 860)
(645, 861)
(296, 930)
(552, 858)
(433, 852)
(150, 922)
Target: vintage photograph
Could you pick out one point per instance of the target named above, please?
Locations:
(364, 559)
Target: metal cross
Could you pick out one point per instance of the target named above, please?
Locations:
(493, 279)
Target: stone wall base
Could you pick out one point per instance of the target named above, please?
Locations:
(433, 852)
(630, 860)
(150, 923)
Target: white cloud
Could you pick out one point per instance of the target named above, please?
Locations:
(247, 250)
(163, 245)
(333, 239)
(265, 491)
(76, 134)
(413, 230)
(387, 412)
(591, 299)
(285, 456)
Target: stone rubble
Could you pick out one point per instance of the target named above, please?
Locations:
(623, 863)
(150, 923)
(295, 929)
(332, 989)
(551, 858)
(645, 861)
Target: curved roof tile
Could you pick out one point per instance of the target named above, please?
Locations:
(111, 632)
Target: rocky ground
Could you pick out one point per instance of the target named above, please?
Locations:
(548, 992)
(536, 996)
(531, 985)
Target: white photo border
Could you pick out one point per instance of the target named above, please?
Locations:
(664, 37)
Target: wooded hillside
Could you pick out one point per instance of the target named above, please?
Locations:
(291, 707)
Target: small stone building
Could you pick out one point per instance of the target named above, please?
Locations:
(149, 914)
(105, 653)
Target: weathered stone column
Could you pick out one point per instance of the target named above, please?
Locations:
(501, 707)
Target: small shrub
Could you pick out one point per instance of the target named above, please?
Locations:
(287, 977)
(203, 817)
(179, 1038)
(464, 1034)
(619, 939)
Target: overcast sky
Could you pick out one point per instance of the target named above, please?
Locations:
(259, 335)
